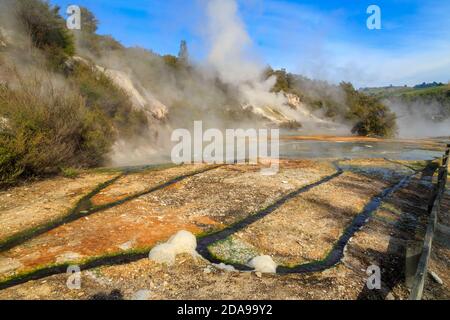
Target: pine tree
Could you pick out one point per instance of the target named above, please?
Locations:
(183, 55)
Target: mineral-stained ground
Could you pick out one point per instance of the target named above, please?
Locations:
(107, 221)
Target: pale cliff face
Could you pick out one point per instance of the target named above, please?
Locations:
(141, 98)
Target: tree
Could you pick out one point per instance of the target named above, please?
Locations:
(46, 27)
(371, 116)
(183, 55)
(89, 23)
(171, 61)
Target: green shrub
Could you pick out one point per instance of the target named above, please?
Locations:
(10, 170)
(284, 80)
(371, 117)
(47, 29)
(89, 23)
(70, 172)
(47, 128)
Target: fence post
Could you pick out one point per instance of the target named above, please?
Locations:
(422, 268)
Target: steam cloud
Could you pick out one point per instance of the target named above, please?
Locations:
(232, 58)
(419, 119)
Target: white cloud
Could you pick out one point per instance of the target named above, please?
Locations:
(328, 45)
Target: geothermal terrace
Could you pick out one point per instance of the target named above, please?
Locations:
(323, 221)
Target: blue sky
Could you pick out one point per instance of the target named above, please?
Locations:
(321, 39)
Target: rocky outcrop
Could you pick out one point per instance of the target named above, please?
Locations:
(295, 102)
(268, 113)
(141, 98)
(290, 115)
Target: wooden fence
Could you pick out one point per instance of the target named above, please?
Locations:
(422, 268)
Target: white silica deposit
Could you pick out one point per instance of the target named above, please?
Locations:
(163, 253)
(182, 242)
(263, 264)
(224, 267)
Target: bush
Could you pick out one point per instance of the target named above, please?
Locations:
(47, 29)
(371, 116)
(47, 128)
(89, 23)
(70, 172)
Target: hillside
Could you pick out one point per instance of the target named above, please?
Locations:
(418, 96)
(92, 101)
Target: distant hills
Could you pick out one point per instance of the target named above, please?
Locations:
(430, 99)
(423, 89)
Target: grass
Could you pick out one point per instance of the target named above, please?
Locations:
(231, 250)
(70, 173)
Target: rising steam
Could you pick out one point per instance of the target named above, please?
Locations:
(232, 58)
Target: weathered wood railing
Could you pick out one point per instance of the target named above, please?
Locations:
(422, 268)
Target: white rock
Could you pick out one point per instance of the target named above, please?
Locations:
(163, 254)
(207, 270)
(184, 242)
(263, 264)
(223, 266)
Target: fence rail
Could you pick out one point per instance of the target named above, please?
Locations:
(422, 268)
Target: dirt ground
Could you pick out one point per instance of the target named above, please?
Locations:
(440, 255)
(198, 204)
(306, 228)
(143, 208)
(28, 206)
